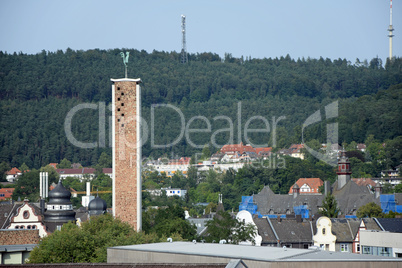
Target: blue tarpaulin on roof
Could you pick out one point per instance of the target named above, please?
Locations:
(388, 203)
(399, 208)
(247, 204)
(350, 216)
(302, 210)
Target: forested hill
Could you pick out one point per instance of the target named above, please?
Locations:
(37, 92)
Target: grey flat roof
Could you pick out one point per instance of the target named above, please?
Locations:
(14, 248)
(251, 252)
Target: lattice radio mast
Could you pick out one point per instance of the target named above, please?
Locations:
(184, 57)
(390, 30)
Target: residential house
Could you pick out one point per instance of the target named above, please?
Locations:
(82, 173)
(6, 193)
(361, 147)
(295, 150)
(28, 216)
(365, 224)
(175, 192)
(13, 174)
(308, 186)
(324, 238)
(53, 165)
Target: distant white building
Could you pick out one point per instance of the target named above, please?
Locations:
(82, 173)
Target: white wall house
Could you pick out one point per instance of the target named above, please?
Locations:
(324, 237)
(28, 218)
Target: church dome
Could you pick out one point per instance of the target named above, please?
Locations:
(97, 206)
(59, 195)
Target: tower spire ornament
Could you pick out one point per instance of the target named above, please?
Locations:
(125, 60)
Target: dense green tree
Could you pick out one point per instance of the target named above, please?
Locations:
(4, 167)
(224, 226)
(27, 186)
(89, 243)
(329, 207)
(105, 160)
(369, 210)
(23, 168)
(168, 221)
(64, 164)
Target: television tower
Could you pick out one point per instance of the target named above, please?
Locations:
(390, 30)
(184, 57)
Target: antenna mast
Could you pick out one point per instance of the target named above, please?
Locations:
(184, 57)
(390, 30)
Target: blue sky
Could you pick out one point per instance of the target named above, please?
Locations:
(259, 28)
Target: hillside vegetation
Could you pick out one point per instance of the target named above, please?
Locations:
(38, 91)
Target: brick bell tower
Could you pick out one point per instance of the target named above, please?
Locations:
(126, 138)
(344, 170)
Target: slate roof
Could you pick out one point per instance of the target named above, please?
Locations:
(345, 229)
(291, 231)
(371, 224)
(7, 211)
(391, 224)
(264, 230)
(268, 201)
(352, 196)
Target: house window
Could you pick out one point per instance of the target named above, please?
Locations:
(358, 248)
(118, 99)
(344, 247)
(29, 227)
(33, 226)
(16, 227)
(118, 88)
(61, 207)
(58, 227)
(323, 231)
(118, 109)
(122, 104)
(25, 214)
(122, 93)
(22, 227)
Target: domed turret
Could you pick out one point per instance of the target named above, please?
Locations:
(59, 208)
(59, 195)
(97, 206)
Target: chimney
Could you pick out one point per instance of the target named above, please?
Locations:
(378, 190)
(296, 190)
(88, 188)
(327, 188)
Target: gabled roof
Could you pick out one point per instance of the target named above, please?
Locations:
(352, 196)
(267, 200)
(344, 229)
(364, 181)
(8, 192)
(313, 183)
(13, 171)
(391, 224)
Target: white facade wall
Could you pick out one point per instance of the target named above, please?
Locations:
(381, 239)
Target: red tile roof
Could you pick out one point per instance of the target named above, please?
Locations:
(364, 181)
(76, 171)
(240, 148)
(313, 183)
(19, 237)
(7, 192)
(13, 171)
